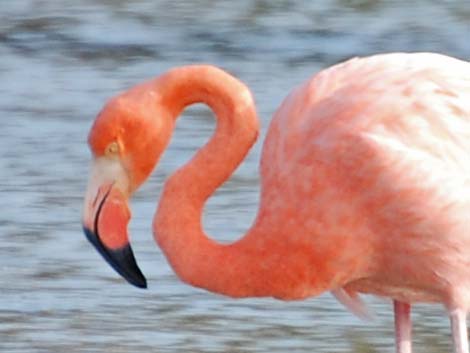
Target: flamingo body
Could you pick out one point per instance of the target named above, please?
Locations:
(365, 184)
(373, 159)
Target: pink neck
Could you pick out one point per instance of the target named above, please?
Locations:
(195, 257)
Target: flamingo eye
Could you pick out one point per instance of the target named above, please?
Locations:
(112, 149)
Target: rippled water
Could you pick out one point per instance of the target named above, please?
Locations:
(60, 61)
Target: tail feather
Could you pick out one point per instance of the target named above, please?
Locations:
(353, 303)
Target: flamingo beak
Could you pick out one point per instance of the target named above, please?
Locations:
(105, 218)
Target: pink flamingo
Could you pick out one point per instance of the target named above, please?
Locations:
(365, 185)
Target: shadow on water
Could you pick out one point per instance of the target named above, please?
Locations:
(60, 61)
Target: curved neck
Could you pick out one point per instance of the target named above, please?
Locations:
(195, 257)
(236, 130)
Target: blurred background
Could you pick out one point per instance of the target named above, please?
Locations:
(61, 60)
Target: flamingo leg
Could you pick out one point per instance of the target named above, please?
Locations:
(458, 322)
(402, 327)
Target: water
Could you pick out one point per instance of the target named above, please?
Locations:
(60, 61)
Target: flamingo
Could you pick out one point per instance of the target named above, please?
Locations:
(365, 185)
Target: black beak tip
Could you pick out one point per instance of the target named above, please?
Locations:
(122, 260)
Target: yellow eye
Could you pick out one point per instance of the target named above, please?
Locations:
(112, 149)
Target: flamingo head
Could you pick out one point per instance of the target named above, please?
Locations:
(126, 141)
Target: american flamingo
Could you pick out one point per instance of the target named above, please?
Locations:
(365, 185)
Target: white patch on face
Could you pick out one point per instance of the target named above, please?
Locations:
(104, 173)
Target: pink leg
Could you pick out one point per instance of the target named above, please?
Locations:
(458, 322)
(402, 327)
